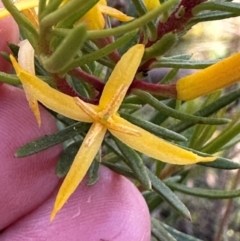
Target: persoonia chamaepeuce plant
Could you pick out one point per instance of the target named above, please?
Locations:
(94, 79)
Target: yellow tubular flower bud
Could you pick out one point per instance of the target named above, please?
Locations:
(217, 76)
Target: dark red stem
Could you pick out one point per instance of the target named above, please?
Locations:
(90, 79)
(175, 23)
(168, 91)
(65, 88)
(178, 19)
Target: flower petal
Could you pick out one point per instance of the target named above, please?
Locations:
(26, 61)
(26, 56)
(122, 76)
(94, 19)
(155, 147)
(80, 166)
(217, 76)
(151, 4)
(20, 5)
(32, 16)
(51, 98)
(112, 12)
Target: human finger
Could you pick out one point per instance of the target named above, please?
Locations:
(25, 182)
(112, 209)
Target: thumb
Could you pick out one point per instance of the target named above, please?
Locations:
(25, 182)
(112, 209)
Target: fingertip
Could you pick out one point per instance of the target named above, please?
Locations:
(112, 209)
(25, 182)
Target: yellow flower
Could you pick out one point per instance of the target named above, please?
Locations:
(217, 76)
(94, 18)
(151, 4)
(104, 117)
(20, 5)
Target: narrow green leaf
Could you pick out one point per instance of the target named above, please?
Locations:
(159, 232)
(181, 64)
(155, 129)
(220, 6)
(159, 117)
(136, 164)
(169, 76)
(204, 193)
(202, 133)
(14, 49)
(96, 55)
(49, 8)
(41, 7)
(160, 47)
(179, 235)
(168, 195)
(231, 143)
(10, 79)
(51, 140)
(68, 9)
(222, 139)
(124, 171)
(26, 27)
(73, 18)
(150, 26)
(66, 159)
(162, 189)
(93, 172)
(209, 109)
(66, 51)
(133, 25)
(152, 199)
(219, 163)
(210, 16)
(149, 99)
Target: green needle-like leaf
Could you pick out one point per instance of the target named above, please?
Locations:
(155, 129)
(159, 232)
(66, 51)
(51, 140)
(209, 109)
(204, 193)
(25, 25)
(168, 195)
(66, 159)
(136, 164)
(179, 235)
(93, 173)
(181, 64)
(158, 186)
(149, 99)
(91, 57)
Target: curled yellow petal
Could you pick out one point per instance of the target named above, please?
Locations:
(26, 61)
(51, 98)
(26, 56)
(81, 164)
(112, 12)
(151, 4)
(122, 75)
(156, 147)
(20, 5)
(217, 76)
